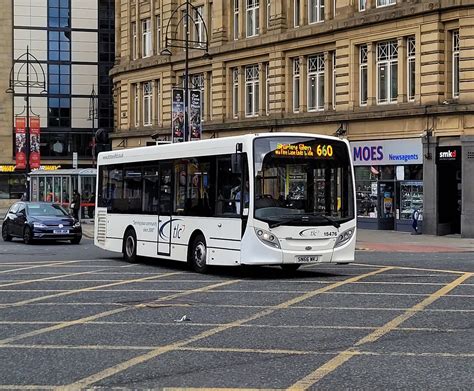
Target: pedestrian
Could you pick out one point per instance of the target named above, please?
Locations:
(415, 217)
(76, 204)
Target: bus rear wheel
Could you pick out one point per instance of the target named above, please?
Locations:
(290, 268)
(198, 255)
(130, 246)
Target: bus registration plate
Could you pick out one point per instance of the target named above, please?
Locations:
(307, 258)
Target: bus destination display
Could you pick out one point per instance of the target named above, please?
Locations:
(304, 150)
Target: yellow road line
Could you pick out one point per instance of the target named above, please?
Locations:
(108, 313)
(88, 289)
(37, 266)
(417, 268)
(87, 381)
(22, 282)
(341, 358)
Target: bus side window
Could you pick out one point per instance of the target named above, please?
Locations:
(228, 186)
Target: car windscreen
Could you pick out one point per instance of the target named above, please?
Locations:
(51, 210)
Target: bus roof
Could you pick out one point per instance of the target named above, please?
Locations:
(208, 147)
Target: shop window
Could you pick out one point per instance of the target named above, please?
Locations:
(366, 191)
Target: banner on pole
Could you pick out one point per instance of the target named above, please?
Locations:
(195, 124)
(177, 121)
(35, 158)
(20, 142)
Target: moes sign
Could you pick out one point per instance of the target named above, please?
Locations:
(387, 152)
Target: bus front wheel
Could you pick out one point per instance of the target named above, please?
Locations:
(198, 254)
(130, 246)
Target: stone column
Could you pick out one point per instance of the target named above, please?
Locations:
(278, 17)
(371, 74)
(327, 81)
(278, 71)
(241, 92)
(167, 83)
(303, 84)
(118, 30)
(467, 213)
(402, 70)
(430, 212)
(242, 25)
(262, 98)
(219, 22)
(218, 95)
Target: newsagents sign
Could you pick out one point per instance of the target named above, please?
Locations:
(387, 152)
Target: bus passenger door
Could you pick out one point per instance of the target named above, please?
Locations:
(164, 210)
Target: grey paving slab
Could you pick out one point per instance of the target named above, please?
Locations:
(389, 288)
(115, 335)
(326, 340)
(442, 320)
(454, 342)
(453, 302)
(239, 298)
(216, 370)
(195, 313)
(331, 299)
(308, 317)
(54, 367)
(53, 285)
(400, 373)
(51, 313)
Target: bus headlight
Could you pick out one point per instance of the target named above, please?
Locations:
(267, 237)
(344, 237)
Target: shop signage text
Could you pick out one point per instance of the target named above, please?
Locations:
(448, 154)
(387, 152)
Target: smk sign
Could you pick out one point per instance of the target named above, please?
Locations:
(448, 154)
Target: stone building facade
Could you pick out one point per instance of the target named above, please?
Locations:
(393, 76)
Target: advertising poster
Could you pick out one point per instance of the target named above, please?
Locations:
(177, 122)
(195, 125)
(20, 142)
(35, 159)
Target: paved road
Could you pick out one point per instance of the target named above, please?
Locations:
(79, 317)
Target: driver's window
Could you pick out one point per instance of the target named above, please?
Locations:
(14, 208)
(21, 209)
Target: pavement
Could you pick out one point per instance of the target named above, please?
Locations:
(386, 241)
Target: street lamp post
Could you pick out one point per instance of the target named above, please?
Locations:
(93, 115)
(202, 43)
(31, 81)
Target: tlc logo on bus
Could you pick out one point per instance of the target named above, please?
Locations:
(368, 154)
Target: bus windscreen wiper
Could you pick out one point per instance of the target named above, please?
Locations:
(327, 218)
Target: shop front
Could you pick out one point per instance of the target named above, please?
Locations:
(12, 183)
(389, 183)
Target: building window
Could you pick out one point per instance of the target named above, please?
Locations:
(59, 46)
(267, 89)
(199, 26)
(316, 82)
(387, 72)
(411, 70)
(147, 103)
(59, 79)
(236, 19)
(136, 106)
(235, 93)
(158, 33)
(59, 112)
(296, 13)
(296, 85)
(363, 80)
(362, 5)
(334, 80)
(253, 18)
(58, 14)
(251, 91)
(316, 11)
(456, 64)
(134, 41)
(383, 3)
(146, 38)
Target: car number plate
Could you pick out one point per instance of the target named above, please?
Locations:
(61, 231)
(307, 258)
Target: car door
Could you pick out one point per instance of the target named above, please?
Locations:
(10, 218)
(20, 219)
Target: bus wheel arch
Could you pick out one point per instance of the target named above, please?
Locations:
(129, 245)
(197, 252)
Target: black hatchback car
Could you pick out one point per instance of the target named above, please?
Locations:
(40, 220)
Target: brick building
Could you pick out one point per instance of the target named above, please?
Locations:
(393, 76)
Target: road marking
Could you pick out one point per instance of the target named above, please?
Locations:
(88, 289)
(87, 381)
(416, 268)
(26, 387)
(37, 266)
(110, 312)
(22, 282)
(311, 379)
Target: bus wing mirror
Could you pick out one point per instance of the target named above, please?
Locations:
(236, 161)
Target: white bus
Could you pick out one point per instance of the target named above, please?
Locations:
(264, 199)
